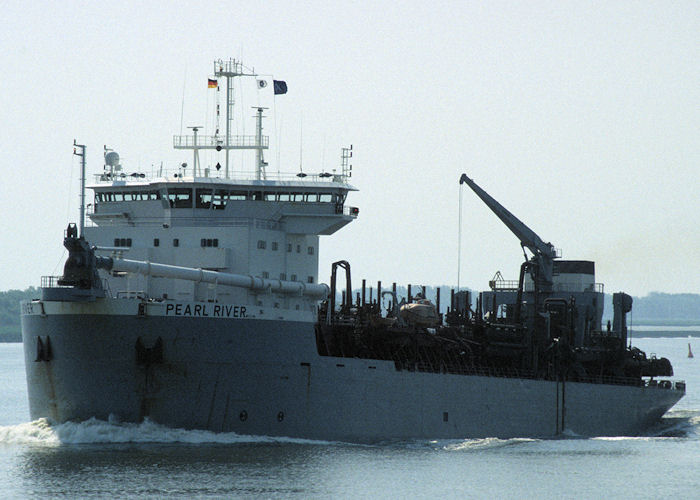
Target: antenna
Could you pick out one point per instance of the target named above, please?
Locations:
(182, 108)
(301, 143)
(229, 70)
(195, 166)
(260, 162)
(82, 148)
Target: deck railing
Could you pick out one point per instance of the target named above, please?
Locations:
(218, 141)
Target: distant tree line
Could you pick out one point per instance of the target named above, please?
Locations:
(661, 308)
(9, 312)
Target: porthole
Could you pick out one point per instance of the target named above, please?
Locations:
(243, 415)
(280, 416)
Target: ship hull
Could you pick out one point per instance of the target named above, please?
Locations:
(254, 375)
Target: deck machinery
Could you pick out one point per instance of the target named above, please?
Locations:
(547, 325)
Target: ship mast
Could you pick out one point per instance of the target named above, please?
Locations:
(82, 148)
(228, 70)
(260, 162)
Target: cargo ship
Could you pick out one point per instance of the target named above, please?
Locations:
(192, 298)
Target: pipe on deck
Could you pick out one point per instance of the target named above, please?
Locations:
(146, 268)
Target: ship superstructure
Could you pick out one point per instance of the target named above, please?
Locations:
(193, 299)
(257, 224)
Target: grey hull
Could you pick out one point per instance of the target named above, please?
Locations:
(265, 377)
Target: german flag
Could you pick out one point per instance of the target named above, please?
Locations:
(212, 83)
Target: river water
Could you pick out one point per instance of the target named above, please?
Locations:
(98, 459)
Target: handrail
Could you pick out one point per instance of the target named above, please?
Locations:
(510, 285)
(218, 141)
(176, 175)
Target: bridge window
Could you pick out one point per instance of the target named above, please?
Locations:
(180, 198)
(127, 196)
(204, 198)
(219, 199)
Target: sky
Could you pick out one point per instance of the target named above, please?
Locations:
(581, 118)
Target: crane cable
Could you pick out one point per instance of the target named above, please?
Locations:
(459, 238)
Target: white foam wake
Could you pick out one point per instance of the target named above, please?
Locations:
(481, 444)
(93, 431)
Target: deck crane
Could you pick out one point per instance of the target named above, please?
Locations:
(543, 253)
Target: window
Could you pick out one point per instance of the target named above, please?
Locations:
(274, 246)
(237, 195)
(293, 277)
(284, 196)
(325, 198)
(122, 242)
(283, 276)
(204, 198)
(216, 242)
(203, 242)
(265, 274)
(289, 247)
(209, 242)
(310, 250)
(310, 279)
(180, 197)
(176, 242)
(262, 244)
(270, 196)
(219, 200)
(156, 242)
(298, 248)
(311, 197)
